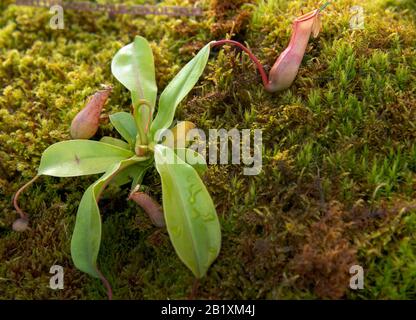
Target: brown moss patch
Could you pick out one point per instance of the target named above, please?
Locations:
(324, 261)
(229, 17)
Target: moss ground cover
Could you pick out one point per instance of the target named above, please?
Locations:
(338, 184)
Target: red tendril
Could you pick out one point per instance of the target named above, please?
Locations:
(256, 61)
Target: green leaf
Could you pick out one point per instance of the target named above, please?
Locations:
(80, 157)
(133, 66)
(177, 89)
(139, 175)
(190, 214)
(193, 158)
(85, 242)
(115, 142)
(131, 173)
(125, 125)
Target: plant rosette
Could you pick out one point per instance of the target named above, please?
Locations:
(188, 210)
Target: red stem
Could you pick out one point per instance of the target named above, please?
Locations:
(22, 214)
(256, 61)
(106, 285)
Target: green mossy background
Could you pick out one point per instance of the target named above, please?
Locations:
(338, 184)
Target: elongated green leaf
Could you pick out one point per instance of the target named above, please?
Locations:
(193, 158)
(133, 66)
(86, 239)
(190, 214)
(115, 142)
(125, 125)
(80, 157)
(177, 89)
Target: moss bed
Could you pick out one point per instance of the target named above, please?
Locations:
(339, 162)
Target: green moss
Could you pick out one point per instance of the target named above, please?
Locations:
(339, 160)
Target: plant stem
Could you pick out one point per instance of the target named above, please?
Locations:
(106, 284)
(256, 61)
(194, 290)
(22, 214)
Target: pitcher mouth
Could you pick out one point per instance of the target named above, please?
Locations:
(308, 16)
